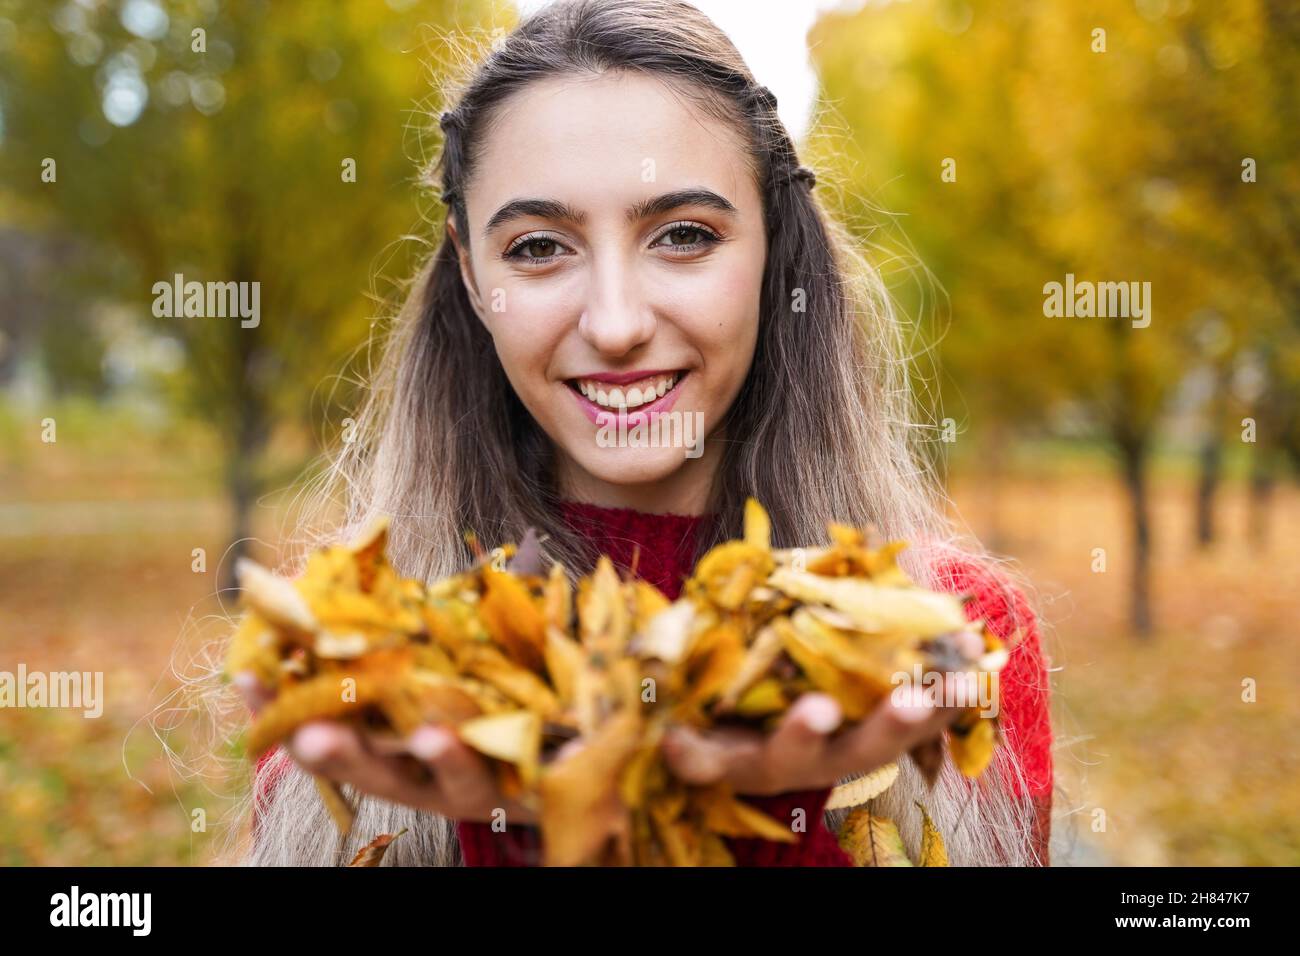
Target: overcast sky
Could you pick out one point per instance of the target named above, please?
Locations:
(772, 37)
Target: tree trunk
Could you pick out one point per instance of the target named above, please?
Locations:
(246, 365)
(241, 486)
(1133, 454)
(1261, 496)
(1211, 460)
(995, 475)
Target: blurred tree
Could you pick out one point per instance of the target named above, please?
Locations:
(935, 182)
(1237, 70)
(1021, 143)
(33, 289)
(236, 142)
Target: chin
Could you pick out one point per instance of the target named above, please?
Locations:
(629, 466)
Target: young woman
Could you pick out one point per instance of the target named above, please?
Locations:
(629, 233)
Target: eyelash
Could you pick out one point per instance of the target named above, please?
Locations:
(707, 237)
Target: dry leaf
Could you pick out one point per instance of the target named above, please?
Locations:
(372, 854)
(872, 841)
(567, 692)
(336, 802)
(857, 792)
(933, 852)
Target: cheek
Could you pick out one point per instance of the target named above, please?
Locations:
(724, 325)
(526, 331)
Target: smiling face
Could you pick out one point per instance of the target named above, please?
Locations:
(615, 252)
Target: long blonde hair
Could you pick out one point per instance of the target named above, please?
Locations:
(825, 427)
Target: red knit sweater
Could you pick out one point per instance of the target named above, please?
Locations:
(664, 547)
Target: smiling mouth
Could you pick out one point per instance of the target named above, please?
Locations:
(627, 396)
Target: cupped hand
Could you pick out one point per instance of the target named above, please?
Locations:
(804, 752)
(432, 769)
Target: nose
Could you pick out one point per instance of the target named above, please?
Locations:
(617, 318)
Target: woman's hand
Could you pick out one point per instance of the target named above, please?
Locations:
(802, 754)
(433, 770)
(430, 770)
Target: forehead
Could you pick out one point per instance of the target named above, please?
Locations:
(612, 137)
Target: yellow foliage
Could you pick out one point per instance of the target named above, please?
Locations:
(569, 708)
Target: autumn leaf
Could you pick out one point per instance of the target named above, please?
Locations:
(567, 693)
(872, 841)
(372, 854)
(933, 852)
(864, 788)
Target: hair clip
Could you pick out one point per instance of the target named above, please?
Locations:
(806, 175)
(802, 173)
(766, 97)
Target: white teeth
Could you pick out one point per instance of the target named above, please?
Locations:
(640, 393)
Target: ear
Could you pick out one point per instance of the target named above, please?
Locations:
(466, 269)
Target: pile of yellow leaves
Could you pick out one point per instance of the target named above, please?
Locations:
(521, 665)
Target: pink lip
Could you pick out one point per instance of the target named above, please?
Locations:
(642, 414)
(622, 378)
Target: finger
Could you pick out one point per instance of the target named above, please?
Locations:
(462, 775)
(700, 758)
(917, 716)
(324, 747)
(256, 694)
(892, 729)
(336, 751)
(569, 748)
(387, 745)
(797, 748)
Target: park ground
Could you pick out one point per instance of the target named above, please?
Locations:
(1159, 759)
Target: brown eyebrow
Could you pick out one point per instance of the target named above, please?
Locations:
(552, 209)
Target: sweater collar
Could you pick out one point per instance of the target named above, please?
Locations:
(662, 546)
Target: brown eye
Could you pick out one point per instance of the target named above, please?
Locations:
(539, 248)
(685, 238)
(533, 249)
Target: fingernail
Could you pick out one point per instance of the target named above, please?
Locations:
(247, 682)
(676, 740)
(253, 691)
(429, 743)
(914, 708)
(821, 715)
(915, 714)
(312, 743)
(970, 644)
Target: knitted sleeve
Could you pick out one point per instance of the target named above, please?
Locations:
(1024, 685)
(1025, 722)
